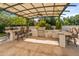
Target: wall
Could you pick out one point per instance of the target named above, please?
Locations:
(68, 27)
(63, 27)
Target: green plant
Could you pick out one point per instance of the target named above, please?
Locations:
(37, 27)
(48, 26)
(58, 24)
(42, 23)
(17, 21)
(2, 27)
(2, 34)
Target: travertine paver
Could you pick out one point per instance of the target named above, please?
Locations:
(22, 48)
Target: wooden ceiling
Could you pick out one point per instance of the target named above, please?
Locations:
(35, 9)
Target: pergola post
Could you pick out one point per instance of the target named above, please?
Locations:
(27, 27)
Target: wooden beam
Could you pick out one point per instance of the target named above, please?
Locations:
(13, 13)
(12, 5)
(46, 6)
(48, 11)
(14, 8)
(35, 8)
(27, 10)
(43, 16)
(45, 9)
(53, 8)
(64, 8)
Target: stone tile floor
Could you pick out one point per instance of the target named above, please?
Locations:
(22, 48)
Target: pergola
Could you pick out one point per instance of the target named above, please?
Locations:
(29, 10)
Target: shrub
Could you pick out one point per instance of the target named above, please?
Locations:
(42, 23)
(58, 24)
(37, 27)
(48, 26)
(2, 27)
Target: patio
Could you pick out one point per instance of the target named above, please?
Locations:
(22, 48)
(18, 43)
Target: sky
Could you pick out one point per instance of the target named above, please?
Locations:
(73, 10)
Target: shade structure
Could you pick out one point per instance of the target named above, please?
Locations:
(35, 9)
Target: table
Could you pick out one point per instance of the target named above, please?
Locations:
(12, 34)
(62, 38)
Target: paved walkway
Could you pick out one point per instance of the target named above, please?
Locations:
(23, 48)
(42, 41)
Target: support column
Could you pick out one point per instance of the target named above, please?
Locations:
(27, 27)
(12, 35)
(62, 42)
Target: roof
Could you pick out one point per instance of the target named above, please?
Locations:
(35, 9)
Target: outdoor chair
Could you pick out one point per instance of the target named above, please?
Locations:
(78, 30)
(20, 34)
(72, 37)
(28, 33)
